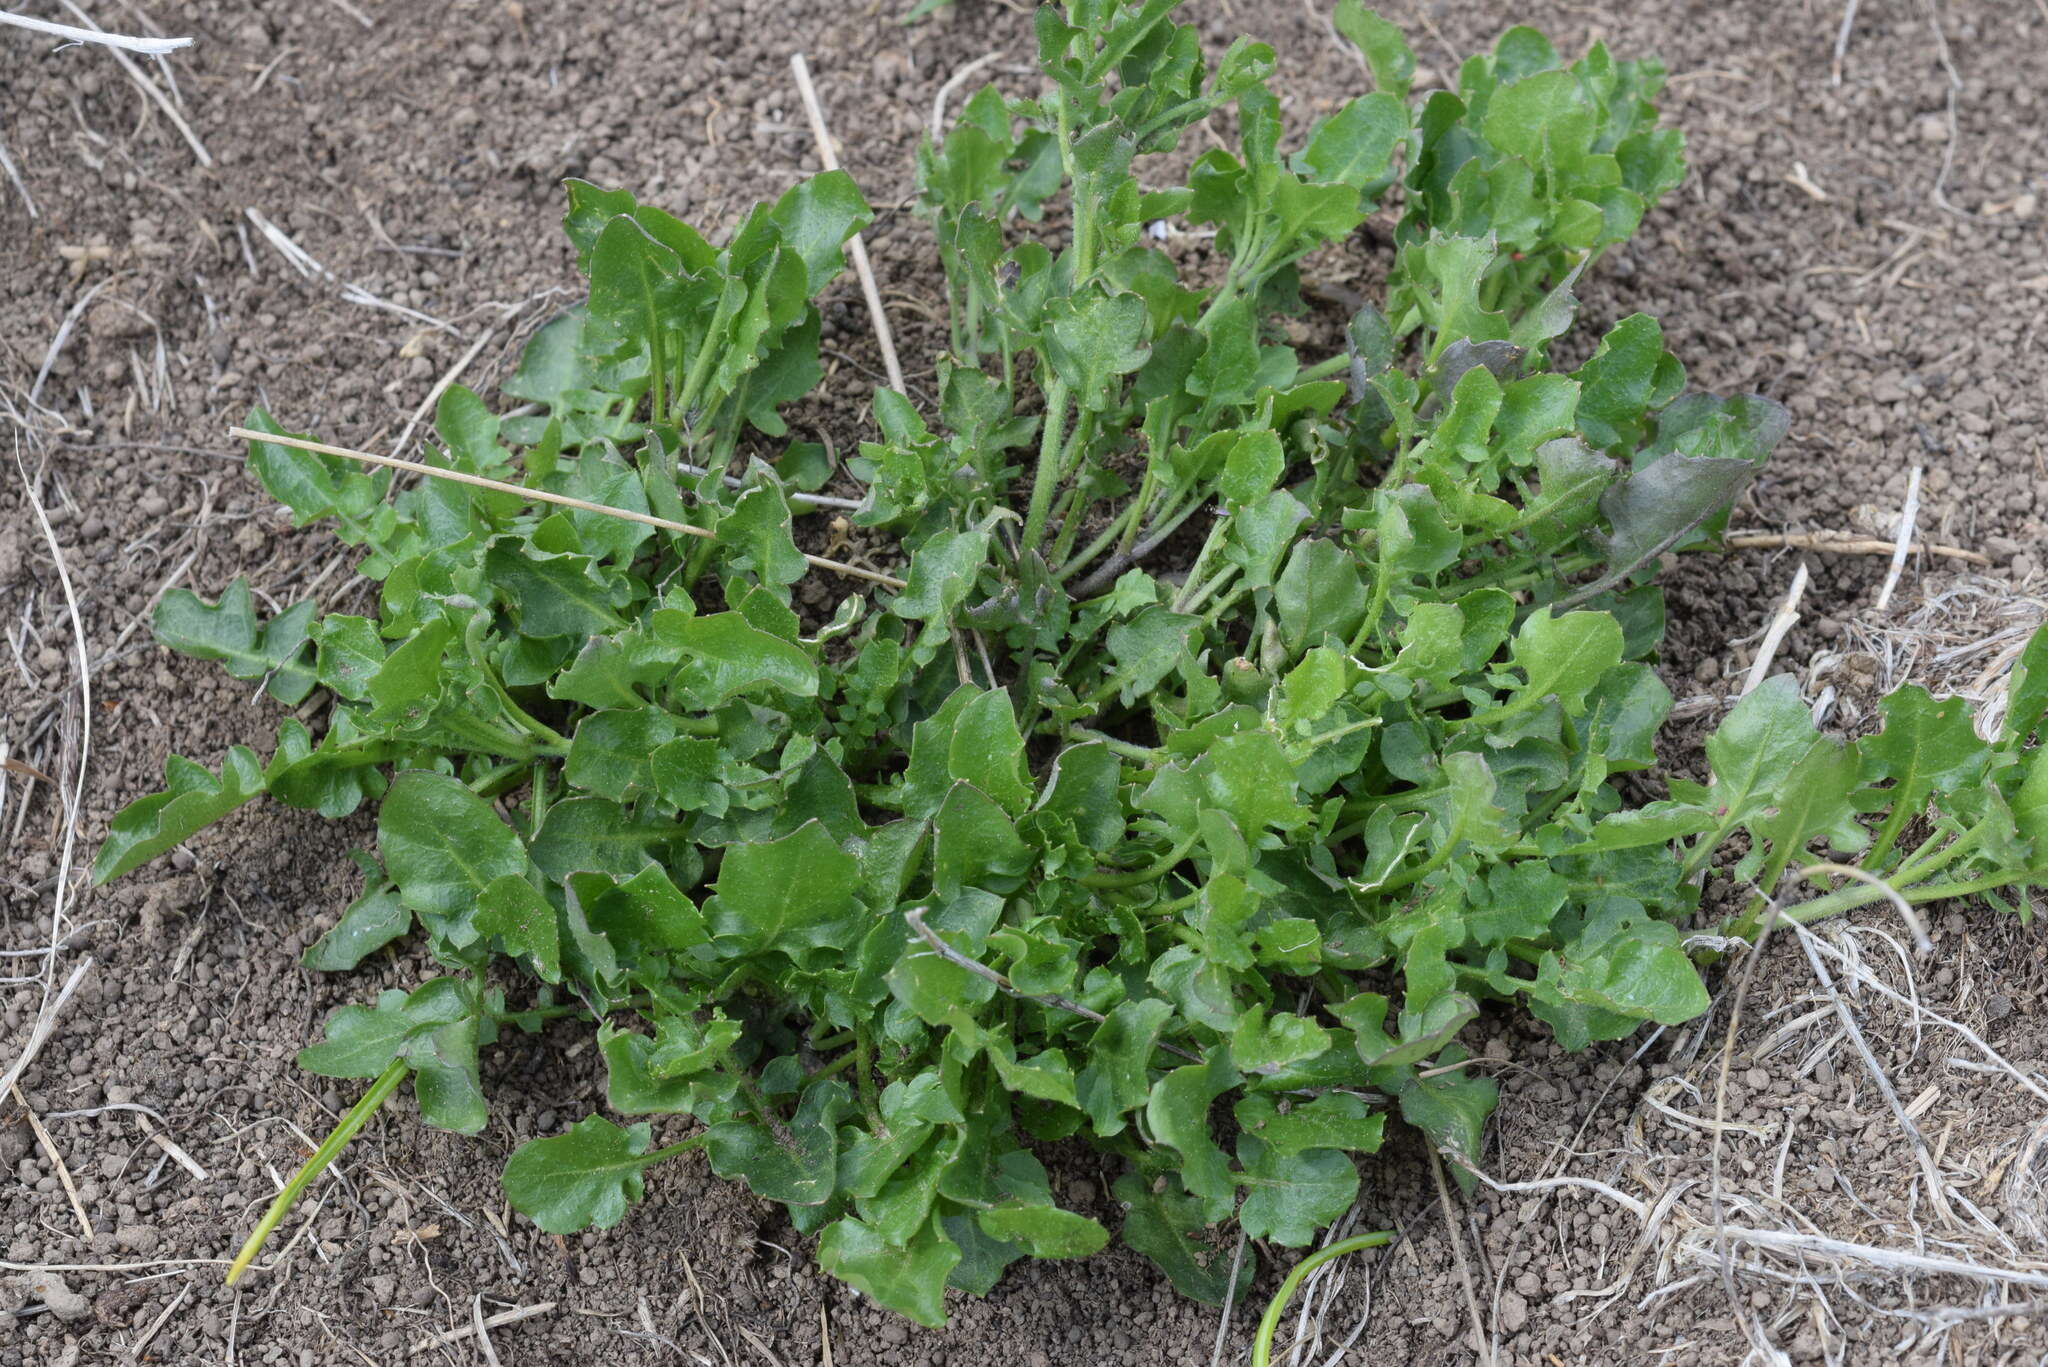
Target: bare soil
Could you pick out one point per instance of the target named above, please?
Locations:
(1870, 252)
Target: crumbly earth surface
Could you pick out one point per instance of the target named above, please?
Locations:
(1868, 249)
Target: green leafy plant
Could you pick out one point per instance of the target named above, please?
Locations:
(1244, 723)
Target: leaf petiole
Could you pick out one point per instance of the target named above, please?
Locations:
(1047, 477)
(1863, 894)
(1133, 878)
(1313, 743)
(1174, 907)
(1323, 370)
(330, 1148)
(1129, 750)
(1888, 834)
(1916, 867)
(1201, 564)
(1382, 589)
(832, 1069)
(498, 779)
(552, 741)
(1208, 590)
(1269, 1323)
(864, 1080)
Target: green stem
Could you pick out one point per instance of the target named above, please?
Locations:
(1323, 370)
(1317, 741)
(1888, 834)
(1083, 209)
(1186, 109)
(561, 1009)
(1489, 291)
(1772, 872)
(1048, 474)
(1142, 502)
(1250, 249)
(1382, 587)
(498, 779)
(954, 313)
(700, 365)
(1176, 907)
(1863, 894)
(1125, 520)
(1704, 850)
(657, 370)
(1127, 749)
(1924, 861)
(1945, 892)
(1075, 455)
(864, 1082)
(1269, 1323)
(1226, 603)
(1192, 602)
(1556, 570)
(330, 1149)
(553, 741)
(1132, 878)
(1176, 511)
(1924, 849)
(1074, 513)
(537, 803)
(1423, 870)
(1525, 702)
(1100, 694)
(501, 742)
(1408, 799)
(1195, 571)
(1168, 522)
(834, 1068)
(1051, 448)
(727, 439)
(473, 641)
(1074, 507)
(699, 560)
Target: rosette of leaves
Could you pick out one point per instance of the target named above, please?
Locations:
(1247, 723)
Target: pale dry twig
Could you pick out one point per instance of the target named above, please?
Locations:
(497, 1321)
(143, 83)
(540, 496)
(148, 47)
(1907, 516)
(1787, 617)
(856, 250)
